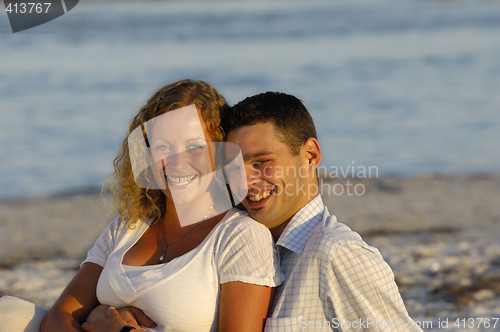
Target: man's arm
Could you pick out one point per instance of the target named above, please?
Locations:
(357, 286)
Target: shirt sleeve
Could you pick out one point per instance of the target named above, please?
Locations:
(105, 244)
(357, 287)
(248, 254)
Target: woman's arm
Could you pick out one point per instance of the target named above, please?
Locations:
(243, 307)
(75, 303)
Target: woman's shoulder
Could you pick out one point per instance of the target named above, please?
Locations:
(120, 226)
(241, 219)
(237, 222)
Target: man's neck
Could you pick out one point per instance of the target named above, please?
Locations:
(278, 230)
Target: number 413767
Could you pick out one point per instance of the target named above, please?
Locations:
(476, 323)
(29, 7)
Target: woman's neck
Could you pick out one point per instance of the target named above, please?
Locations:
(178, 216)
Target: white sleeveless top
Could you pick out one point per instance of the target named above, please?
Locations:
(183, 294)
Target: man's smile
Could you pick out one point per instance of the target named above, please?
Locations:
(258, 199)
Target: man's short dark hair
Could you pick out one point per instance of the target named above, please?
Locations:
(291, 118)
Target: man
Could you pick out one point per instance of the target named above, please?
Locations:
(334, 280)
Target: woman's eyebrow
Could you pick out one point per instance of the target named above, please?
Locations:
(197, 139)
(159, 139)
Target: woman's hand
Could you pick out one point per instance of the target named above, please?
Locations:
(133, 316)
(99, 313)
(113, 323)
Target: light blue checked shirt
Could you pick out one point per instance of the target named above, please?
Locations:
(334, 281)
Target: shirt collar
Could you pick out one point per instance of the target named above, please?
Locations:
(297, 231)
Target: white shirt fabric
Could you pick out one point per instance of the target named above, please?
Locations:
(183, 294)
(18, 315)
(334, 281)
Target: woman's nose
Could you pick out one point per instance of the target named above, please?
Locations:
(178, 160)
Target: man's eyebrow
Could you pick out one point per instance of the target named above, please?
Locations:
(250, 156)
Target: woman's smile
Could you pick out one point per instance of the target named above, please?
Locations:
(175, 182)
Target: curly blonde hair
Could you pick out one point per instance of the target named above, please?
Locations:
(141, 203)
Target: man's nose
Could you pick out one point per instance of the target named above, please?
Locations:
(253, 177)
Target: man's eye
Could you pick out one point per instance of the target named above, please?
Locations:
(260, 162)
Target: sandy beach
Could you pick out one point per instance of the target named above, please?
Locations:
(439, 234)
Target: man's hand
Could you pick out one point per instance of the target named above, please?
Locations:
(131, 315)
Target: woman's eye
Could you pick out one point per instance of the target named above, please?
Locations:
(195, 147)
(162, 147)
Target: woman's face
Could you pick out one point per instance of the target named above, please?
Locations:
(181, 154)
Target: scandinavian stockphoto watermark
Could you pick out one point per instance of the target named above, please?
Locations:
(332, 180)
(27, 14)
(350, 172)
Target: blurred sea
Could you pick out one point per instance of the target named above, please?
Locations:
(410, 87)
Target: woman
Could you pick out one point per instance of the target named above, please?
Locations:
(174, 252)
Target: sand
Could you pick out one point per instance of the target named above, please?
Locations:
(439, 234)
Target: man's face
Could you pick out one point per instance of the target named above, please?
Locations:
(275, 184)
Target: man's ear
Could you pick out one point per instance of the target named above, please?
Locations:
(312, 153)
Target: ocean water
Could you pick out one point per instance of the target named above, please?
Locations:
(409, 87)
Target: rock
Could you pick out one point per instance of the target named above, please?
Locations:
(483, 295)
